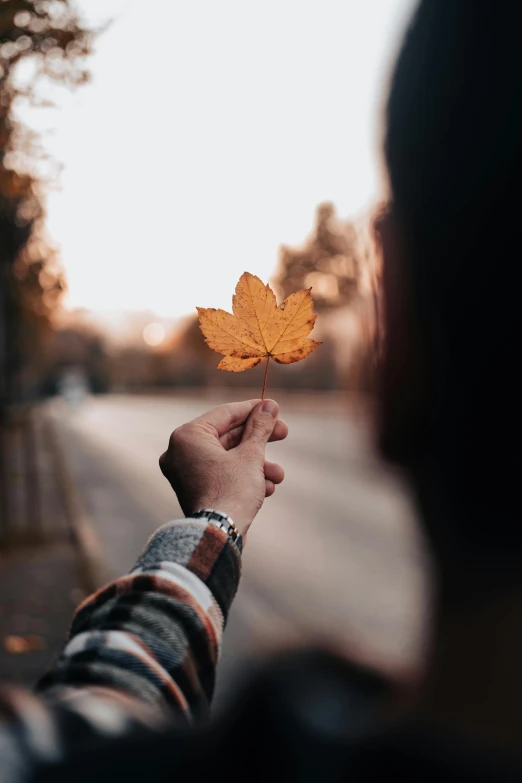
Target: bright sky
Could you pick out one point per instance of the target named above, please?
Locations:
(209, 133)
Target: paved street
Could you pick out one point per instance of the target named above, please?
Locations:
(334, 555)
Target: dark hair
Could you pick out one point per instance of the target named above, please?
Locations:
(454, 153)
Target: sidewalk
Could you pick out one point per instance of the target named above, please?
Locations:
(44, 573)
(39, 590)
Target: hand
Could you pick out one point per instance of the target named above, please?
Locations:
(218, 460)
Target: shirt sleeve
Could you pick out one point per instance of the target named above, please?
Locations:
(140, 651)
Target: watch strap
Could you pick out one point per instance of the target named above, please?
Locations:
(221, 519)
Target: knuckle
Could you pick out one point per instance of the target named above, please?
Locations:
(179, 437)
(162, 461)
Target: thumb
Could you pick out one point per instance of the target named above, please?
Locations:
(260, 424)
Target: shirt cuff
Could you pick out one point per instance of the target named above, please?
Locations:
(202, 548)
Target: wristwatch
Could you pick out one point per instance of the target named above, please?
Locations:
(220, 519)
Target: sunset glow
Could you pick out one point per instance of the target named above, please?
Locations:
(202, 145)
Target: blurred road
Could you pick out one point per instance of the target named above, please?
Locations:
(334, 554)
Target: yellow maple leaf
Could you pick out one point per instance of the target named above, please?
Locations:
(259, 329)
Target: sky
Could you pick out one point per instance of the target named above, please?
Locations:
(206, 137)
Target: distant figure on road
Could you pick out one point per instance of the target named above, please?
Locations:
(128, 698)
(73, 386)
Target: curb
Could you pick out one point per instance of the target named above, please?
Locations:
(91, 565)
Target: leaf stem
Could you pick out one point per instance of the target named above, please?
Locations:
(264, 379)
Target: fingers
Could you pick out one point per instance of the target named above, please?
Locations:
(260, 425)
(274, 472)
(227, 417)
(232, 438)
(269, 488)
(280, 431)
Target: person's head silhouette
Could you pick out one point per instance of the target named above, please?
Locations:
(450, 403)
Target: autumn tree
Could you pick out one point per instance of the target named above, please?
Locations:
(341, 262)
(329, 261)
(41, 42)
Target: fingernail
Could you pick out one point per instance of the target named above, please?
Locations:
(270, 407)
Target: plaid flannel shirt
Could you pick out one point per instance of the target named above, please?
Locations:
(140, 651)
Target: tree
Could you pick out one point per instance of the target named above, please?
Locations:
(41, 41)
(341, 262)
(44, 41)
(329, 261)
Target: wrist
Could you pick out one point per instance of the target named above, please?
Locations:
(230, 509)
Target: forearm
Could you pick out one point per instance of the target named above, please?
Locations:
(156, 633)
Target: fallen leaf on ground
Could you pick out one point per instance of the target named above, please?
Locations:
(21, 644)
(258, 329)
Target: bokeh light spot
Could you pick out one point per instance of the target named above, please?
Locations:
(154, 334)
